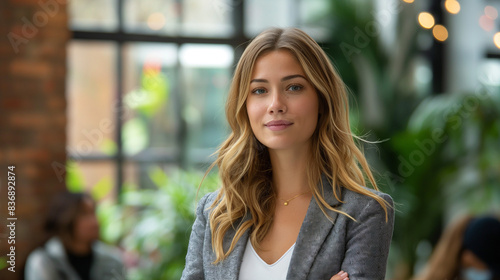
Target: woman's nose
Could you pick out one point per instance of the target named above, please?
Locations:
(277, 105)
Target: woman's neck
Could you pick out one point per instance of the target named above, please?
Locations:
(289, 171)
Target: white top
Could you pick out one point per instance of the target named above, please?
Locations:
(254, 268)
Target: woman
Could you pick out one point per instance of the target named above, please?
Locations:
(468, 250)
(74, 253)
(292, 203)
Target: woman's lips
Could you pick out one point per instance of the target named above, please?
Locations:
(278, 125)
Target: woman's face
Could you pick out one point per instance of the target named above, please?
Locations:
(473, 267)
(86, 224)
(282, 104)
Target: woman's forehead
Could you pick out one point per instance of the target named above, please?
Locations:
(277, 64)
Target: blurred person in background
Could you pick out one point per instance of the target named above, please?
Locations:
(74, 251)
(469, 249)
(292, 204)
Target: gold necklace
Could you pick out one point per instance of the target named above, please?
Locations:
(287, 201)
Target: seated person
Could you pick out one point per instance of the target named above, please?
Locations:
(74, 252)
(468, 250)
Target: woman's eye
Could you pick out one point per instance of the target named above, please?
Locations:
(295, 87)
(259, 91)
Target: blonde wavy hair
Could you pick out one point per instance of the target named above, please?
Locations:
(244, 163)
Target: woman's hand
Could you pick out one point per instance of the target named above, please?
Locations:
(340, 276)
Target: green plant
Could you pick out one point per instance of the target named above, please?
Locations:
(448, 164)
(441, 153)
(154, 225)
(383, 96)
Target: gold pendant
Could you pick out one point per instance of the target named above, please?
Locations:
(287, 201)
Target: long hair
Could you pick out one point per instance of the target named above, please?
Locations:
(244, 163)
(445, 260)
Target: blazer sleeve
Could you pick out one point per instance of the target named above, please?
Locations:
(368, 241)
(194, 258)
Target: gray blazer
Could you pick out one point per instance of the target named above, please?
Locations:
(50, 262)
(322, 248)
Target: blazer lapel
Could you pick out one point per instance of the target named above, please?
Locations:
(312, 234)
(230, 267)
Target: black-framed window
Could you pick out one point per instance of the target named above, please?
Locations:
(148, 79)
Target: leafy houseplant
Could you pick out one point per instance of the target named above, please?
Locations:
(152, 226)
(448, 165)
(441, 153)
(158, 227)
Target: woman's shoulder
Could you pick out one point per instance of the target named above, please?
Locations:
(51, 247)
(42, 258)
(36, 256)
(360, 196)
(208, 199)
(203, 208)
(361, 199)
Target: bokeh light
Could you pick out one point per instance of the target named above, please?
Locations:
(440, 32)
(408, 1)
(491, 12)
(426, 20)
(486, 23)
(156, 21)
(452, 6)
(496, 39)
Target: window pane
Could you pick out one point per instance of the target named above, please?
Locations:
(206, 77)
(262, 14)
(152, 16)
(314, 18)
(97, 178)
(93, 14)
(150, 121)
(141, 175)
(489, 72)
(91, 97)
(207, 18)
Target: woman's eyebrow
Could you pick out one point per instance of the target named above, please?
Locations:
(293, 76)
(282, 79)
(259, 81)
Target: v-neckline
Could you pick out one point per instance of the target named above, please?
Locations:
(276, 262)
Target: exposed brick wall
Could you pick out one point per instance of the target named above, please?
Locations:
(33, 37)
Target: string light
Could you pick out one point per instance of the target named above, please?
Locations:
(426, 20)
(486, 23)
(452, 6)
(440, 32)
(491, 12)
(496, 39)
